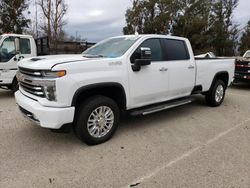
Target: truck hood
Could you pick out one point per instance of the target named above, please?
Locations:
(47, 62)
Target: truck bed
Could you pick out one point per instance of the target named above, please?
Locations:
(207, 67)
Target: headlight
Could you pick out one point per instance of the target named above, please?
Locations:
(50, 87)
(53, 74)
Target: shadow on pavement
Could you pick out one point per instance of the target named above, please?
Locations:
(241, 86)
(6, 94)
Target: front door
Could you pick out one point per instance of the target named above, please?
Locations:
(150, 84)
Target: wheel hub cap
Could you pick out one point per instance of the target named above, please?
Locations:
(219, 93)
(100, 121)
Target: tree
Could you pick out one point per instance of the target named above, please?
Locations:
(12, 16)
(193, 23)
(54, 12)
(245, 40)
(150, 16)
(223, 32)
(207, 24)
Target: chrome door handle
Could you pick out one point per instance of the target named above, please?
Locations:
(163, 69)
(191, 67)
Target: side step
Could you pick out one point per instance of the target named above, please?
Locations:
(160, 107)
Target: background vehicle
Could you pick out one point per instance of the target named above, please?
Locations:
(9, 56)
(206, 55)
(29, 47)
(247, 54)
(138, 74)
(242, 68)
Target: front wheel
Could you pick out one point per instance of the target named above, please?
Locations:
(97, 120)
(15, 86)
(216, 95)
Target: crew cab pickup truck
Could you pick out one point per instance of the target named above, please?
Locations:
(138, 74)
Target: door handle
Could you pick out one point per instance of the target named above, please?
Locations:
(191, 67)
(163, 69)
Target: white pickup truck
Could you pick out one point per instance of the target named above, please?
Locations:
(9, 57)
(138, 74)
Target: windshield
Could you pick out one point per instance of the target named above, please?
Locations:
(112, 48)
(247, 55)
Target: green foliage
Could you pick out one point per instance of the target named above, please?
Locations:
(207, 24)
(193, 23)
(12, 18)
(223, 32)
(245, 40)
(150, 16)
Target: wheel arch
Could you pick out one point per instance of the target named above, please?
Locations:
(112, 90)
(223, 75)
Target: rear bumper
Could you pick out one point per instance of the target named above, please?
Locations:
(46, 117)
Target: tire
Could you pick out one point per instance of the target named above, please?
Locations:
(15, 86)
(216, 95)
(87, 126)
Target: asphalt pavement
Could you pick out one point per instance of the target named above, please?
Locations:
(188, 146)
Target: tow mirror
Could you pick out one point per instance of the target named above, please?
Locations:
(144, 60)
(17, 45)
(145, 53)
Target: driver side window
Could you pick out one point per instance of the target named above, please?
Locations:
(7, 49)
(156, 50)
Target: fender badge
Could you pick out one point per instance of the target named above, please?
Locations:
(117, 63)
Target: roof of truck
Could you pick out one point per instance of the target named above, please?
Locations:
(153, 35)
(16, 35)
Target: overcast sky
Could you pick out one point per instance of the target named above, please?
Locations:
(98, 19)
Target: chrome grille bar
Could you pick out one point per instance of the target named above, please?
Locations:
(30, 72)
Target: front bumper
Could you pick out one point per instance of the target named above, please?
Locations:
(46, 117)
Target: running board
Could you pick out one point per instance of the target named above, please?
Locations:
(162, 107)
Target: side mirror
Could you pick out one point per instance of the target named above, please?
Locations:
(144, 60)
(145, 53)
(17, 45)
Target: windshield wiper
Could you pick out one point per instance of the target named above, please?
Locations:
(93, 56)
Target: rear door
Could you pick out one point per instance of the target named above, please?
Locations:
(181, 68)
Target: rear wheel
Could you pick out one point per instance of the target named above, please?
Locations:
(216, 95)
(97, 120)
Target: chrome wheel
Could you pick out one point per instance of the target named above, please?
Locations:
(219, 93)
(100, 122)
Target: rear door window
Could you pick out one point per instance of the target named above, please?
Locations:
(175, 50)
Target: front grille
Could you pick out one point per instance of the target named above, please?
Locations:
(32, 89)
(30, 72)
(28, 81)
(242, 68)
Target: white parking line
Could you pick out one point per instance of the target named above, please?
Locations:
(185, 155)
(236, 94)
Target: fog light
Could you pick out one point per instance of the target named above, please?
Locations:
(50, 93)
